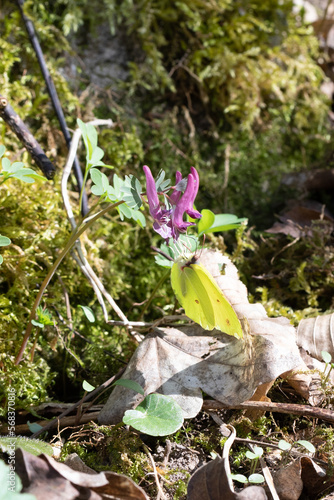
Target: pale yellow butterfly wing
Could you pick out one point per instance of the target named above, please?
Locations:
(202, 299)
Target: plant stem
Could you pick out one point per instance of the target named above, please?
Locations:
(71, 242)
(156, 288)
(328, 374)
(83, 189)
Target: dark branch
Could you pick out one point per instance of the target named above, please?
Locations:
(26, 137)
(54, 97)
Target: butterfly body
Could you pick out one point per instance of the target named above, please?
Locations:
(202, 299)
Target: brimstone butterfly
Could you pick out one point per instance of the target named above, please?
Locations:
(202, 299)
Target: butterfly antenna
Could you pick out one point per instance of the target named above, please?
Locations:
(161, 252)
(202, 247)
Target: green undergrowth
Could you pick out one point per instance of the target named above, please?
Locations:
(123, 451)
(232, 88)
(186, 102)
(35, 222)
(291, 277)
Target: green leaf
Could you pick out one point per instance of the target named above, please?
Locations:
(307, 445)
(130, 384)
(97, 155)
(161, 183)
(157, 415)
(87, 386)
(33, 446)
(1, 260)
(16, 166)
(186, 243)
(163, 261)
(132, 190)
(34, 427)
(5, 164)
(101, 183)
(138, 217)
(27, 175)
(206, 221)
(4, 241)
(89, 136)
(124, 211)
(37, 323)
(326, 356)
(284, 445)
(88, 313)
(44, 317)
(2, 150)
(256, 478)
(239, 477)
(222, 222)
(258, 452)
(92, 137)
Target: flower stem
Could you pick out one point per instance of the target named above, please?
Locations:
(71, 242)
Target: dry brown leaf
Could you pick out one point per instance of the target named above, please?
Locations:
(316, 335)
(313, 336)
(315, 479)
(47, 479)
(213, 481)
(288, 482)
(182, 362)
(305, 383)
(297, 220)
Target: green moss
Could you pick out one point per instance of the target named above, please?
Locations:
(118, 451)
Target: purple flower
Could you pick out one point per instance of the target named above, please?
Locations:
(168, 221)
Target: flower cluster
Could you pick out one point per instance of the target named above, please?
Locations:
(168, 216)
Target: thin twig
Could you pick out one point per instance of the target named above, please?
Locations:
(156, 477)
(88, 396)
(28, 140)
(96, 283)
(305, 410)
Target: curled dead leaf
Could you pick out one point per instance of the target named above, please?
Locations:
(316, 335)
(47, 479)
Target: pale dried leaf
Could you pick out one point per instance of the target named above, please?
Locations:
(47, 479)
(306, 379)
(288, 481)
(316, 335)
(182, 362)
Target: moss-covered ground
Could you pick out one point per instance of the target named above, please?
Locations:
(234, 92)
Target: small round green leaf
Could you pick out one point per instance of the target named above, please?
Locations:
(87, 387)
(157, 415)
(307, 445)
(88, 313)
(34, 427)
(284, 445)
(4, 241)
(326, 356)
(130, 384)
(37, 323)
(239, 477)
(258, 451)
(256, 478)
